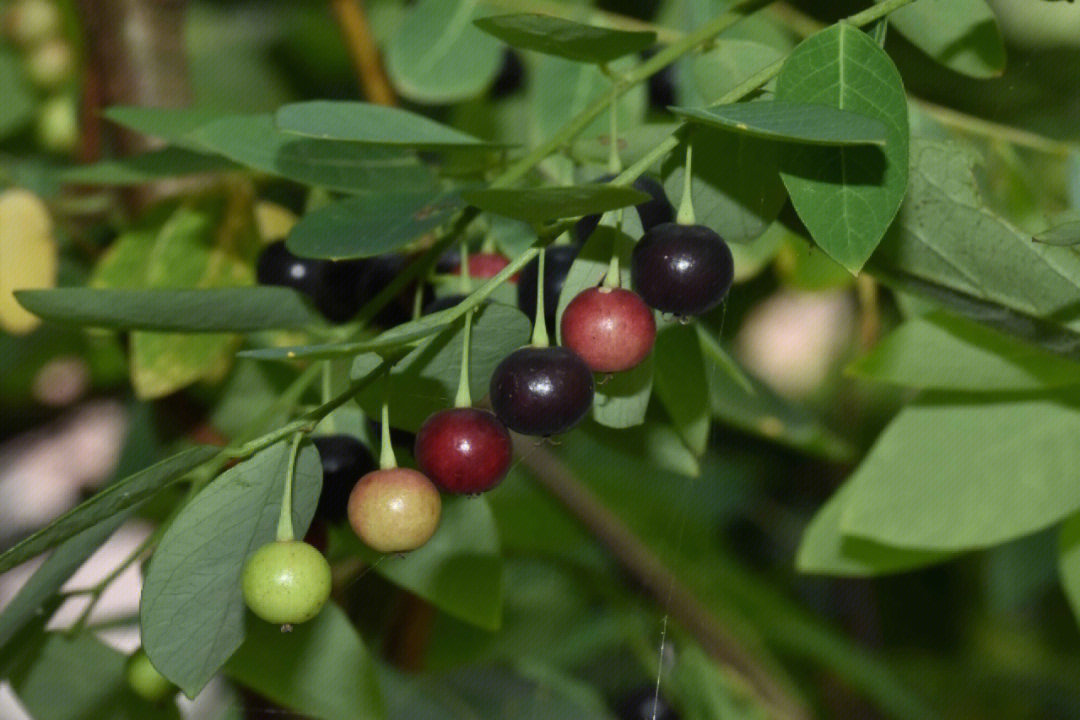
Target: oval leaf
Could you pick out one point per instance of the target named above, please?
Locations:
(1066, 233)
(369, 124)
(551, 203)
(192, 609)
(788, 121)
(846, 196)
(962, 35)
(147, 167)
(565, 38)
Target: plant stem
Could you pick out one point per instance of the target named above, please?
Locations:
(284, 524)
(540, 335)
(387, 461)
(685, 216)
(464, 283)
(614, 161)
(464, 395)
(611, 279)
(356, 32)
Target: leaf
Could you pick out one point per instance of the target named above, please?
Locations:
(847, 197)
(147, 167)
(170, 124)
(439, 56)
(943, 352)
(255, 141)
(105, 504)
(370, 124)
(18, 105)
(320, 668)
(962, 35)
(1065, 233)
(680, 377)
(790, 122)
(721, 69)
(565, 38)
(245, 309)
(736, 183)
(426, 379)
(75, 678)
(551, 203)
(826, 550)
(459, 570)
(371, 224)
(957, 473)
(28, 255)
(1069, 562)
(192, 608)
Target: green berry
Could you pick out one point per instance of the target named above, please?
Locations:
(32, 22)
(51, 64)
(58, 124)
(145, 680)
(286, 582)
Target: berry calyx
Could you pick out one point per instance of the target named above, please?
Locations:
(651, 212)
(557, 262)
(485, 265)
(463, 450)
(541, 391)
(286, 582)
(145, 680)
(682, 269)
(612, 329)
(394, 509)
(344, 458)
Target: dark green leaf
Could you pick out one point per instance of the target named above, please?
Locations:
(370, 224)
(369, 124)
(320, 668)
(241, 309)
(847, 197)
(565, 38)
(192, 609)
(1069, 562)
(165, 163)
(18, 106)
(795, 122)
(1066, 233)
(962, 35)
(680, 377)
(550, 203)
(114, 499)
(170, 124)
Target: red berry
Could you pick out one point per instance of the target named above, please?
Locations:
(463, 450)
(612, 329)
(485, 265)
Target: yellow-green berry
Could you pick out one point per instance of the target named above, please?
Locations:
(286, 582)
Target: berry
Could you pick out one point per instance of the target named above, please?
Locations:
(644, 704)
(340, 296)
(463, 450)
(334, 287)
(394, 510)
(51, 64)
(541, 391)
(57, 126)
(485, 265)
(682, 269)
(557, 262)
(286, 582)
(145, 680)
(344, 461)
(277, 266)
(378, 272)
(651, 212)
(510, 76)
(32, 22)
(612, 329)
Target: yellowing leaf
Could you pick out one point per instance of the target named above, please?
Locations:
(273, 221)
(27, 255)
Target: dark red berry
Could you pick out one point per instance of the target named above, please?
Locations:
(485, 265)
(651, 212)
(344, 461)
(541, 391)
(463, 450)
(612, 329)
(557, 262)
(682, 269)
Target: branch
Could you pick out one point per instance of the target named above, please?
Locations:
(356, 32)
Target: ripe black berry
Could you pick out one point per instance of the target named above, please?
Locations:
(541, 391)
(682, 269)
(651, 212)
(334, 287)
(277, 266)
(463, 450)
(510, 76)
(344, 461)
(639, 705)
(557, 262)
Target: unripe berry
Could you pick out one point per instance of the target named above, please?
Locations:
(286, 582)
(394, 510)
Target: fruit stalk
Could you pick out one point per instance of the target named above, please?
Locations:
(285, 526)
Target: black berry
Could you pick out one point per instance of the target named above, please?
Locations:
(557, 262)
(644, 704)
(277, 266)
(333, 286)
(682, 269)
(344, 461)
(651, 213)
(541, 391)
(510, 76)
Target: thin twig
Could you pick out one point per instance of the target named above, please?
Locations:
(364, 53)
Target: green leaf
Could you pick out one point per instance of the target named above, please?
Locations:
(371, 224)
(212, 310)
(847, 197)
(18, 106)
(439, 56)
(956, 472)
(192, 609)
(826, 550)
(1069, 562)
(170, 124)
(75, 678)
(255, 141)
(1065, 233)
(565, 38)
(962, 35)
(550, 203)
(943, 352)
(680, 377)
(721, 69)
(320, 668)
(369, 124)
(155, 165)
(459, 570)
(426, 379)
(560, 89)
(716, 354)
(736, 183)
(114, 499)
(792, 122)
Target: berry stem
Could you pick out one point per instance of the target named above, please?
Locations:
(464, 395)
(464, 283)
(387, 461)
(614, 161)
(540, 335)
(284, 523)
(611, 279)
(327, 394)
(685, 216)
